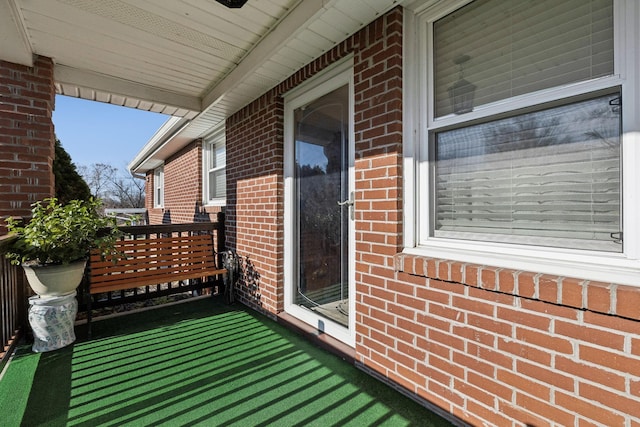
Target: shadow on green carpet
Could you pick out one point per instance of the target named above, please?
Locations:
(197, 363)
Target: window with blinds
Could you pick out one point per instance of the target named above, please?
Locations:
(215, 170)
(158, 187)
(550, 177)
(510, 48)
(548, 173)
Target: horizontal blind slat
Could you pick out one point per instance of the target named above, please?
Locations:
(566, 190)
(521, 47)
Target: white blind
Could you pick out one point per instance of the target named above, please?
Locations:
(521, 46)
(217, 171)
(159, 186)
(550, 177)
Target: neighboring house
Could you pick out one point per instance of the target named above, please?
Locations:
(185, 183)
(449, 194)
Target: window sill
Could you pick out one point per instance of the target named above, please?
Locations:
(216, 203)
(601, 297)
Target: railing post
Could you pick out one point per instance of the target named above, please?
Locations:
(13, 302)
(222, 242)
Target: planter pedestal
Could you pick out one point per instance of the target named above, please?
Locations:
(52, 321)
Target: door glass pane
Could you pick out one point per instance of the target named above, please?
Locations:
(321, 172)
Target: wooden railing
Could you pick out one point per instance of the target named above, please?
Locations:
(13, 303)
(146, 291)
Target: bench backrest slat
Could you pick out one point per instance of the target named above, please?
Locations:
(150, 261)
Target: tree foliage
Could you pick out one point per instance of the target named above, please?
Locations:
(69, 184)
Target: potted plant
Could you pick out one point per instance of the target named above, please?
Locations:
(54, 245)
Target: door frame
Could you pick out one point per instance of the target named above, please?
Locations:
(334, 77)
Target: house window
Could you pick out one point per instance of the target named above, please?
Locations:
(158, 187)
(550, 177)
(214, 169)
(522, 134)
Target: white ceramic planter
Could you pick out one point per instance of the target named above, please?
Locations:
(54, 280)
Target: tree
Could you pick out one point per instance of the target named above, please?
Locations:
(116, 188)
(69, 184)
(99, 176)
(128, 192)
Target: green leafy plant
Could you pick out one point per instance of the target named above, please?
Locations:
(61, 234)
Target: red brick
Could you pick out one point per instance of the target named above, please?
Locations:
(448, 340)
(588, 410)
(524, 318)
(506, 281)
(560, 345)
(591, 373)
(552, 310)
(474, 306)
(457, 272)
(547, 376)
(612, 360)
(474, 393)
(526, 284)
(475, 335)
(572, 292)
(524, 384)
(471, 275)
(584, 333)
(490, 325)
(548, 288)
(524, 351)
(487, 414)
(446, 366)
(433, 295)
(628, 302)
(488, 278)
(599, 297)
(616, 401)
(27, 135)
(523, 416)
(549, 411)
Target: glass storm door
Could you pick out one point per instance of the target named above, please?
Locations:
(321, 212)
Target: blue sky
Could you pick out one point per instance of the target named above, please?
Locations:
(95, 132)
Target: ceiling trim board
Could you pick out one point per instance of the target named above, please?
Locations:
(100, 82)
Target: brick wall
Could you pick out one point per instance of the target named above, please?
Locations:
(27, 97)
(490, 346)
(499, 345)
(255, 161)
(182, 189)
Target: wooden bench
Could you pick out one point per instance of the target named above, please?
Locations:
(152, 261)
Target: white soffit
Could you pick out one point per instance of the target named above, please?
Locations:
(195, 59)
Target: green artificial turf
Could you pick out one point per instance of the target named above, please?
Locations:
(197, 363)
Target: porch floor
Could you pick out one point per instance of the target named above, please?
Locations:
(197, 363)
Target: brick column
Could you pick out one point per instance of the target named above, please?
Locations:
(27, 96)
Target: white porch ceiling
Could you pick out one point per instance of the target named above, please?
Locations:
(193, 59)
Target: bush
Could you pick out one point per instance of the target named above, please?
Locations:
(61, 234)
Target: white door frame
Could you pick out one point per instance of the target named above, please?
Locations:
(336, 76)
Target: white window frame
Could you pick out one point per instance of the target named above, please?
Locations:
(623, 268)
(211, 141)
(158, 187)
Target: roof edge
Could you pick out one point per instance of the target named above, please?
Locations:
(147, 158)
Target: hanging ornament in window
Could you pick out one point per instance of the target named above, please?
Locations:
(461, 93)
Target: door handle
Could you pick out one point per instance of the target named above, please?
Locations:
(349, 202)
